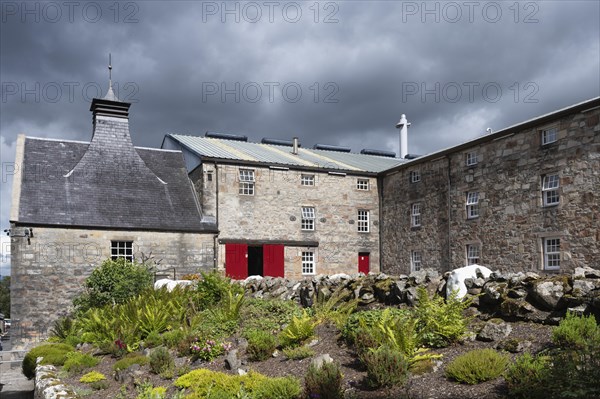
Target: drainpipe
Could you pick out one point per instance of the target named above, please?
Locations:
(216, 237)
(449, 213)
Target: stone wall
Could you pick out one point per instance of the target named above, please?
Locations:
(273, 215)
(513, 296)
(49, 271)
(512, 221)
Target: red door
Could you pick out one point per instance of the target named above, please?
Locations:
(363, 262)
(236, 261)
(273, 261)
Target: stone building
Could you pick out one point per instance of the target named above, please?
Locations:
(523, 198)
(283, 210)
(78, 203)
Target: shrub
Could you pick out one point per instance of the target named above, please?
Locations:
(152, 340)
(278, 388)
(77, 362)
(202, 381)
(173, 338)
(477, 366)
(386, 367)
(147, 391)
(99, 385)
(267, 314)
(129, 361)
(213, 287)
(526, 377)
(323, 382)
(440, 323)
(113, 282)
(92, 376)
(366, 318)
(55, 354)
(62, 328)
(299, 353)
(161, 362)
(336, 309)
(210, 350)
(298, 331)
(576, 332)
(260, 345)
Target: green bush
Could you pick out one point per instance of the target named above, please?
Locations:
(323, 382)
(77, 362)
(130, 360)
(55, 354)
(575, 332)
(62, 328)
(114, 282)
(440, 322)
(278, 388)
(268, 314)
(161, 362)
(172, 338)
(201, 382)
(213, 287)
(336, 309)
(367, 318)
(92, 376)
(526, 377)
(299, 353)
(298, 331)
(477, 366)
(261, 345)
(386, 367)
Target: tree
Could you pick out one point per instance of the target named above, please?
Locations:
(5, 296)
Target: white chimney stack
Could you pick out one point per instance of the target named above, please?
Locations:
(403, 126)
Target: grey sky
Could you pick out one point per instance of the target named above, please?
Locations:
(338, 72)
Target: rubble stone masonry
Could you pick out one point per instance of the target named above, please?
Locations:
(508, 177)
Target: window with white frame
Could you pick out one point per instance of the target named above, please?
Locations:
(472, 205)
(549, 135)
(363, 221)
(472, 159)
(550, 186)
(415, 215)
(121, 249)
(246, 182)
(308, 218)
(415, 261)
(551, 253)
(415, 176)
(308, 262)
(473, 254)
(362, 184)
(307, 180)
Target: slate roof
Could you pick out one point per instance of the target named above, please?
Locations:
(280, 155)
(65, 183)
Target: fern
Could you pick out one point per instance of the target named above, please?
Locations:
(298, 331)
(336, 309)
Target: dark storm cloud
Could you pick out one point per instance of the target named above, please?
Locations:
(358, 72)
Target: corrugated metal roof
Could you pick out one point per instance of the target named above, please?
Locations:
(281, 155)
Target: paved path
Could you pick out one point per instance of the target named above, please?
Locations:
(16, 386)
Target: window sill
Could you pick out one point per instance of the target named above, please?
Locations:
(415, 228)
(473, 218)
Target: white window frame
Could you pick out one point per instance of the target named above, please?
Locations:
(121, 249)
(247, 181)
(415, 214)
(551, 253)
(307, 180)
(363, 221)
(550, 189)
(308, 218)
(309, 265)
(472, 204)
(472, 159)
(362, 184)
(415, 176)
(549, 135)
(473, 254)
(415, 261)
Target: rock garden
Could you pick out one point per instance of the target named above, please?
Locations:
(518, 335)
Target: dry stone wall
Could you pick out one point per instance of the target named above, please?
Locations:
(514, 296)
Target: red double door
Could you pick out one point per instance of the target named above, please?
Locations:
(236, 260)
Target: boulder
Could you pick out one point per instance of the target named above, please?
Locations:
(321, 359)
(232, 362)
(547, 294)
(494, 330)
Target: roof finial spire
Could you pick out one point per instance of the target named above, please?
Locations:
(110, 94)
(109, 71)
